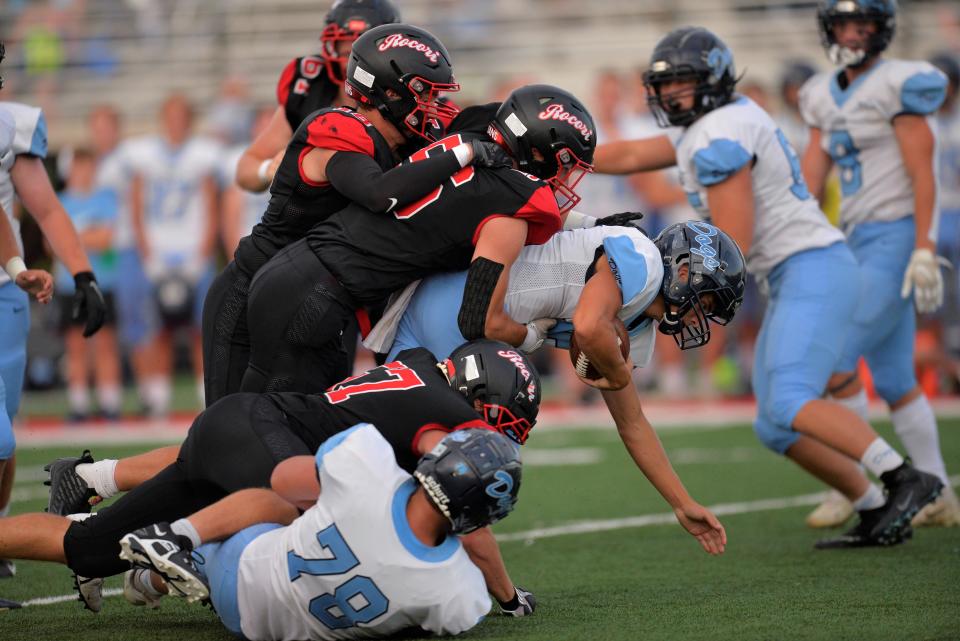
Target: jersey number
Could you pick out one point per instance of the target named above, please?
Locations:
(464, 175)
(398, 377)
(357, 600)
(847, 157)
(799, 186)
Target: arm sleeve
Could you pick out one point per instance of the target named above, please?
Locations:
(356, 453)
(360, 178)
(923, 92)
(30, 137)
(719, 160)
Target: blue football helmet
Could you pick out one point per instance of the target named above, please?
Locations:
(473, 477)
(883, 13)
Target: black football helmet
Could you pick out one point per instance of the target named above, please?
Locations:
(550, 134)
(944, 61)
(500, 383)
(402, 70)
(472, 476)
(883, 13)
(699, 259)
(689, 53)
(345, 21)
(795, 73)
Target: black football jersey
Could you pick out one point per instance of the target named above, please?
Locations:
(304, 87)
(403, 399)
(297, 204)
(373, 255)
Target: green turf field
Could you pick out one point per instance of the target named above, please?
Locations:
(648, 582)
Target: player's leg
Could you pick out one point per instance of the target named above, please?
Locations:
(135, 319)
(104, 353)
(225, 339)
(78, 393)
(35, 536)
(296, 322)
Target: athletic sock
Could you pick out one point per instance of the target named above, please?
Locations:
(78, 398)
(916, 426)
(141, 579)
(879, 457)
(871, 499)
(857, 403)
(5, 510)
(108, 398)
(100, 476)
(183, 527)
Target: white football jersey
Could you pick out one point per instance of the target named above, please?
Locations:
(948, 132)
(350, 567)
(175, 214)
(856, 127)
(787, 220)
(114, 172)
(546, 281)
(23, 131)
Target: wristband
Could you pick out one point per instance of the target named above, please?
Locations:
(532, 340)
(576, 220)
(14, 266)
(464, 154)
(263, 169)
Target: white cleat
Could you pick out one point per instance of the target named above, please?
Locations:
(157, 548)
(834, 511)
(943, 512)
(134, 594)
(90, 591)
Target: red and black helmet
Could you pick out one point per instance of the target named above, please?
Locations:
(402, 70)
(550, 134)
(345, 21)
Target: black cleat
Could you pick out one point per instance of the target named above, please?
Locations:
(861, 535)
(908, 490)
(158, 548)
(8, 569)
(7, 604)
(69, 493)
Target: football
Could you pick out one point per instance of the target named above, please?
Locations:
(582, 364)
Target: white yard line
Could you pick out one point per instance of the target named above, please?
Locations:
(63, 598)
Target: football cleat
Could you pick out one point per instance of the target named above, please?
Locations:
(7, 604)
(69, 493)
(90, 592)
(908, 490)
(834, 511)
(523, 604)
(158, 548)
(134, 594)
(943, 512)
(7, 569)
(861, 535)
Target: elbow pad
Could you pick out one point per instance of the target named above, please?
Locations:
(482, 279)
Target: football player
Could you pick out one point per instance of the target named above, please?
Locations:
(393, 538)
(338, 157)
(300, 302)
(739, 168)
(872, 119)
(22, 174)
(236, 443)
(310, 83)
(584, 280)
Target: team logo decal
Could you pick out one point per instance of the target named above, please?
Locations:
(396, 40)
(517, 360)
(500, 489)
(719, 60)
(554, 111)
(703, 238)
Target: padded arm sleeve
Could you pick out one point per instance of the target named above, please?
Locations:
(360, 178)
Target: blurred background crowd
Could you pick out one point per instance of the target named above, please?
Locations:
(150, 102)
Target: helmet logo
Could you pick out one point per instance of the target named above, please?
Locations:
(396, 40)
(719, 60)
(555, 111)
(517, 360)
(500, 489)
(703, 238)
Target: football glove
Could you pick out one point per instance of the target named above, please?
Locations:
(623, 219)
(88, 303)
(522, 604)
(490, 155)
(536, 334)
(924, 278)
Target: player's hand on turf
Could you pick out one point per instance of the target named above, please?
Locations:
(490, 155)
(536, 334)
(522, 604)
(38, 283)
(924, 278)
(88, 303)
(701, 523)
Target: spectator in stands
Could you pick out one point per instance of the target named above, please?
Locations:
(175, 225)
(93, 211)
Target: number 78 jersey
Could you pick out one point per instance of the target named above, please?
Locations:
(350, 567)
(856, 127)
(787, 220)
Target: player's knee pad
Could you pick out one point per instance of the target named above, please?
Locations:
(482, 280)
(774, 437)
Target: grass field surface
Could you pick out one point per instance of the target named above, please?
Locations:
(596, 544)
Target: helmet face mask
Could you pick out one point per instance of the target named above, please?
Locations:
(345, 22)
(831, 13)
(703, 281)
(570, 171)
(694, 55)
(402, 71)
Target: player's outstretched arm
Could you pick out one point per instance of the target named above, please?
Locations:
(259, 161)
(484, 551)
(630, 156)
(593, 324)
(815, 165)
(647, 452)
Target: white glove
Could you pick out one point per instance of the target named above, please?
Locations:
(923, 276)
(536, 334)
